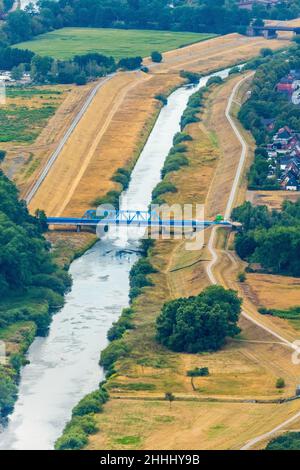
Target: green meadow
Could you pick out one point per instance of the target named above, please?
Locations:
(67, 42)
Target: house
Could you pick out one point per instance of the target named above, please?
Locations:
(268, 124)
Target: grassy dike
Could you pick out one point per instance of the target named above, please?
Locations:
(136, 365)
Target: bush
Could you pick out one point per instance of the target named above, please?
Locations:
(122, 177)
(173, 163)
(74, 439)
(118, 328)
(91, 403)
(241, 277)
(201, 323)
(288, 441)
(80, 79)
(216, 80)
(156, 56)
(162, 188)
(8, 393)
(130, 63)
(181, 137)
(162, 98)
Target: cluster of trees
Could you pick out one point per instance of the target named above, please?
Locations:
(77, 70)
(200, 323)
(267, 105)
(220, 16)
(270, 238)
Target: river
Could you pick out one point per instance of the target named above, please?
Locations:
(64, 365)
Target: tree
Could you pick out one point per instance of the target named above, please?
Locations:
(170, 398)
(156, 56)
(200, 323)
(2, 155)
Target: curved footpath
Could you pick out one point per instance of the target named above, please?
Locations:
(214, 254)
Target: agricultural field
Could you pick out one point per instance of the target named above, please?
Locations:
(67, 42)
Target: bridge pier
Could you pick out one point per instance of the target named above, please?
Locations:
(78, 228)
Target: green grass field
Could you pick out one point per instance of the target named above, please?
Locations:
(67, 42)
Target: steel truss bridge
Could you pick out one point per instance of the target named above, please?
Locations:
(125, 218)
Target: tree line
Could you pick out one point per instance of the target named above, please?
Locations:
(270, 238)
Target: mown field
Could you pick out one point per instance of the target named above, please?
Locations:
(67, 42)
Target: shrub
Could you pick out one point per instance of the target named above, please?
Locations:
(118, 328)
(112, 353)
(74, 439)
(280, 383)
(173, 163)
(156, 56)
(216, 80)
(80, 79)
(181, 137)
(122, 177)
(191, 77)
(91, 403)
(241, 277)
(162, 188)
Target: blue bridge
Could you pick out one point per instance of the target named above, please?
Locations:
(132, 218)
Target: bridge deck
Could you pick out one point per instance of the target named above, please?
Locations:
(80, 222)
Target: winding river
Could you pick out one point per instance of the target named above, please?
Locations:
(64, 365)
